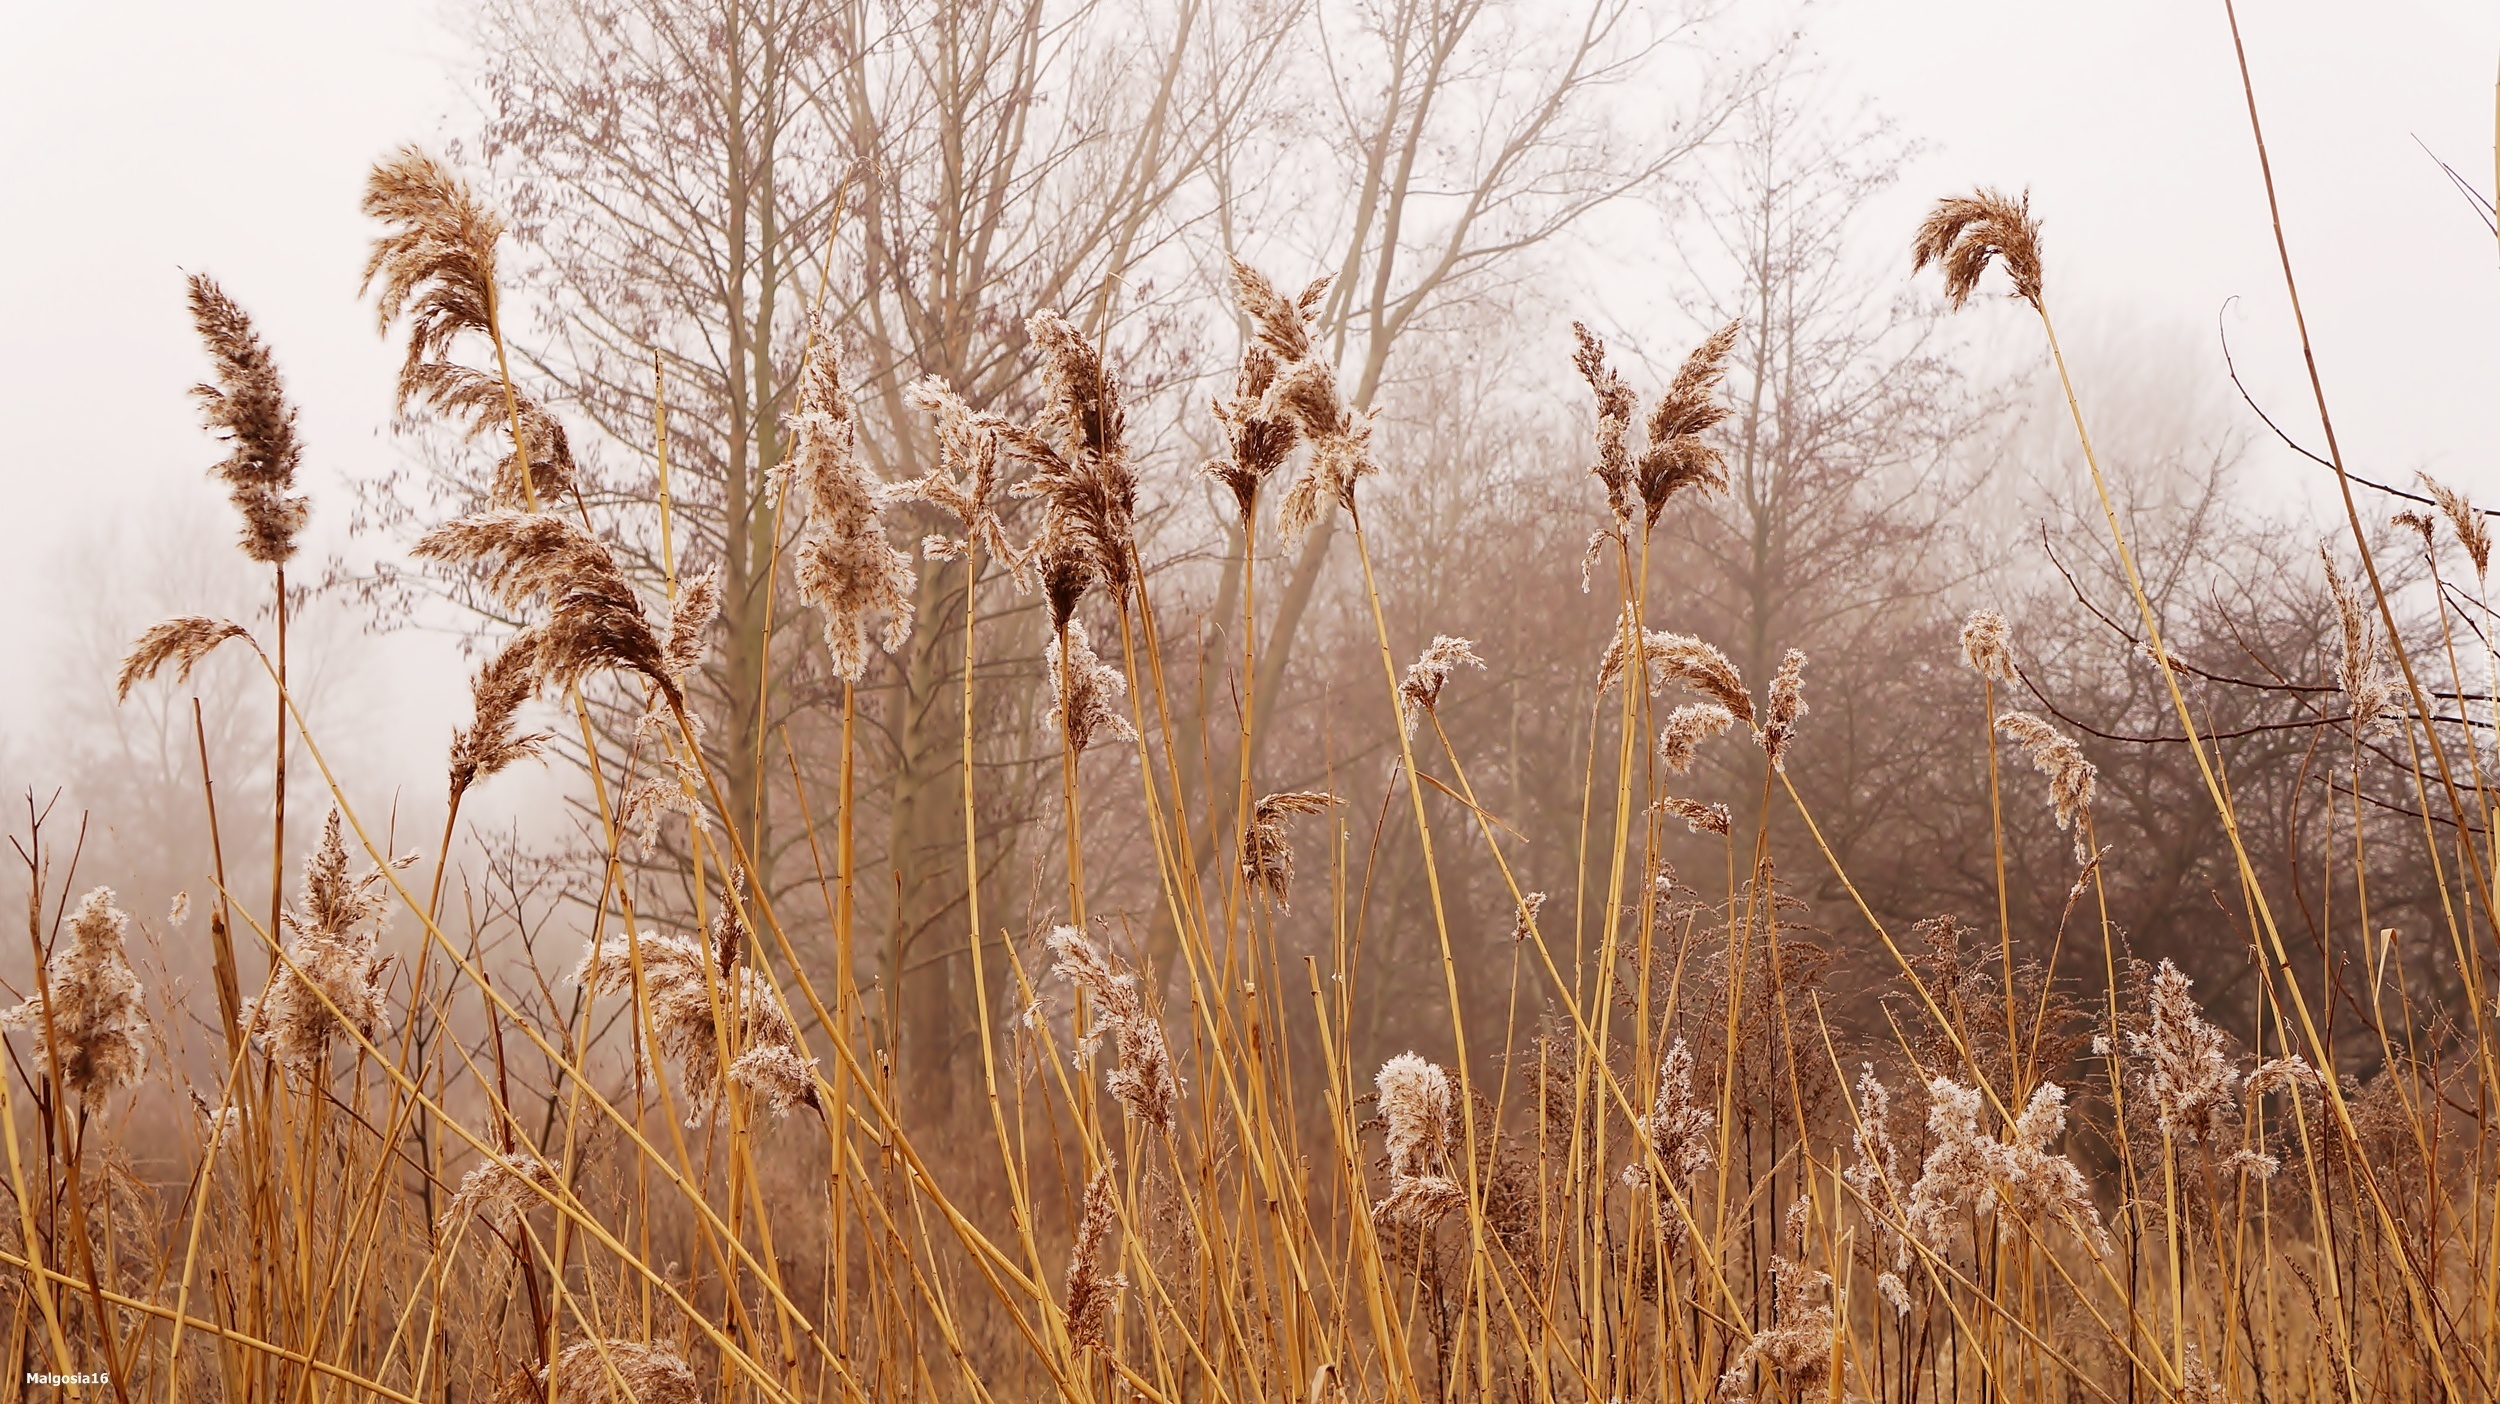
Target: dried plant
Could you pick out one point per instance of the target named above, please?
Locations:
(690, 618)
(1144, 1081)
(182, 641)
(846, 568)
(1085, 692)
(595, 620)
(246, 406)
(1094, 1293)
(1963, 234)
(436, 265)
(1616, 404)
(1417, 1112)
(1079, 451)
(1523, 917)
(2361, 668)
(484, 404)
(1987, 646)
(1699, 817)
(333, 976)
(1266, 853)
(1875, 1177)
(1784, 706)
(1681, 658)
(1679, 741)
(2071, 777)
(1421, 690)
(499, 1190)
(1676, 1130)
(1260, 430)
(964, 481)
(1677, 457)
(490, 741)
(89, 1010)
(1305, 392)
(609, 1372)
(683, 983)
(1970, 1173)
(2473, 531)
(1796, 1343)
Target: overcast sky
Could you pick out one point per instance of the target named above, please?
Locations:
(141, 140)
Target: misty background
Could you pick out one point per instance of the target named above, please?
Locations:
(145, 142)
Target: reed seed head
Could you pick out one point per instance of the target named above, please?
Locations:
(246, 405)
(334, 973)
(1965, 233)
(92, 1003)
(1677, 1130)
(1421, 691)
(609, 1372)
(2472, 528)
(490, 741)
(1677, 456)
(1785, 706)
(1266, 851)
(2071, 777)
(595, 620)
(1416, 1107)
(1679, 741)
(182, 641)
(477, 400)
(1093, 1292)
(846, 568)
(1615, 406)
(1079, 453)
(2361, 669)
(683, 982)
(499, 1190)
(1699, 817)
(1988, 646)
(435, 264)
(1085, 692)
(1143, 1083)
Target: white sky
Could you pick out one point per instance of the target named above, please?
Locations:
(143, 139)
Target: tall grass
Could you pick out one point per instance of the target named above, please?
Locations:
(1687, 1165)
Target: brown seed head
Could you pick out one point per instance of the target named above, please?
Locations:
(1677, 456)
(1266, 853)
(1987, 646)
(2071, 777)
(1963, 234)
(1085, 692)
(182, 640)
(2373, 694)
(89, 1009)
(435, 265)
(1700, 818)
(489, 743)
(1615, 407)
(1093, 1292)
(683, 983)
(246, 406)
(595, 620)
(475, 399)
(1421, 691)
(846, 568)
(1679, 741)
(2473, 529)
(1786, 705)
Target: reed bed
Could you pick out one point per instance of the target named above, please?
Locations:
(674, 1163)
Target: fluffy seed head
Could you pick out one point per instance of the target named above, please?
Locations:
(1965, 233)
(1266, 852)
(1093, 1293)
(604, 1372)
(2472, 528)
(1079, 453)
(490, 742)
(182, 641)
(1615, 406)
(1987, 646)
(683, 983)
(1679, 741)
(1676, 1128)
(435, 262)
(1421, 691)
(246, 406)
(480, 402)
(1700, 818)
(89, 1008)
(1677, 456)
(333, 976)
(1143, 1083)
(1085, 692)
(2361, 668)
(499, 1190)
(846, 568)
(595, 620)
(1786, 705)
(1416, 1105)
(2071, 777)
(2189, 1071)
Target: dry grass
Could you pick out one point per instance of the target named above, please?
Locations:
(681, 1171)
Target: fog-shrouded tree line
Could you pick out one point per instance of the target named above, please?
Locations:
(687, 183)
